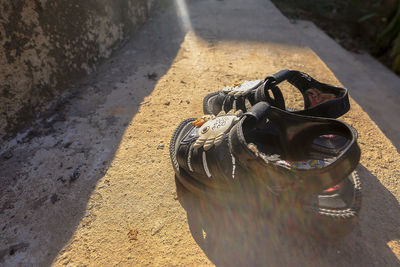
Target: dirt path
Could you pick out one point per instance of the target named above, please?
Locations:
(93, 185)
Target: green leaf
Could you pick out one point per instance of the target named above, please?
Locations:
(396, 46)
(367, 17)
(392, 29)
(396, 64)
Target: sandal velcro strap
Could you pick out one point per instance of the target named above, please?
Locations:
(320, 99)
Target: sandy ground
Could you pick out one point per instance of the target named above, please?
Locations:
(93, 185)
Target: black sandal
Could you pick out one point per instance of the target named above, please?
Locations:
(266, 146)
(320, 99)
(333, 213)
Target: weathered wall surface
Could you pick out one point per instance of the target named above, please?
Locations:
(47, 44)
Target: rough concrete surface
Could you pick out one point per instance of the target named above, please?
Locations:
(93, 185)
(46, 44)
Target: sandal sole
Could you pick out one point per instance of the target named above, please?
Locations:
(206, 105)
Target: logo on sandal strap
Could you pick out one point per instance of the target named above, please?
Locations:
(317, 97)
(241, 88)
(213, 129)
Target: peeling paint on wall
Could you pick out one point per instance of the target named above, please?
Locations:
(47, 44)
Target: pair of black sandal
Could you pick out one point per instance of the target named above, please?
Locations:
(248, 140)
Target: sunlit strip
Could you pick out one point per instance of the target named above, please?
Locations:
(186, 25)
(233, 166)
(205, 166)
(189, 160)
(183, 14)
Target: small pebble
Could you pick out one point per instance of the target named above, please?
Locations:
(54, 198)
(67, 145)
(160, 146)
(152, 76)
(132, 234)
(156, 229)
(75, 175)
(8, 155)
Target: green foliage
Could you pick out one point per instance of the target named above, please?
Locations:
(367, 24)
(390, 38)
(367, 17)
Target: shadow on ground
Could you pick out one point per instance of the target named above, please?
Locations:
(51, 174)
(48, 177)
(247, 234)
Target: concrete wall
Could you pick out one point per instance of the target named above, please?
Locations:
(45, 45)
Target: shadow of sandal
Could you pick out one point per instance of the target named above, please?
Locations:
(257, 231)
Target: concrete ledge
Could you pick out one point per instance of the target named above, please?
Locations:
(47, 44)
